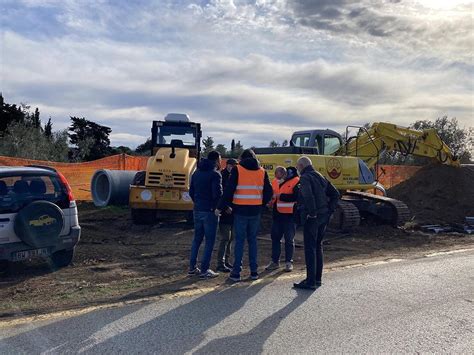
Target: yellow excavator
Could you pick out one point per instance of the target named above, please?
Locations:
(351, 166)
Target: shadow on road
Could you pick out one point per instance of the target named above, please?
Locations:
(183, 328)
(174, 326)
(255, 338)
(55, 336)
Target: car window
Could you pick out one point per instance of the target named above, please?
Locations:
(17, 191)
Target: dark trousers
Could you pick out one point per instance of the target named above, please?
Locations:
(283, 226)
(314, 230)
(225, 241)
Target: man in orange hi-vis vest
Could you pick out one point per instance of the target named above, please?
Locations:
(280, 175)
(286, 192)
(247, 191)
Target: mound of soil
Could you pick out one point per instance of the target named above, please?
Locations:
(438, 194)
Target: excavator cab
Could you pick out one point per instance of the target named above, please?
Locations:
(326, 141)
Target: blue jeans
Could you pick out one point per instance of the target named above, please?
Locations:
(245, 228)
(283, 226)
(205, 226)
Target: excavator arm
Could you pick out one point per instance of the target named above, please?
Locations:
(369, 143)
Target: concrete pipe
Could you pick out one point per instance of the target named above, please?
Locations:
(111, 187)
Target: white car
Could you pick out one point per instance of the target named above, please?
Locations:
(38, 216)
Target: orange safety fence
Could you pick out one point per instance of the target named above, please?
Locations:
(79, 175)
(391, 175)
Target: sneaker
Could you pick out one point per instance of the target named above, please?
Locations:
(195, 271)
(234, 278)
(272, 266)
(289, 266)
(304, 286)
(254, 276)
(229, 266)
(209, 274)
(223, 268)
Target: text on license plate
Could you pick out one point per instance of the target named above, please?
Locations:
(27, 254)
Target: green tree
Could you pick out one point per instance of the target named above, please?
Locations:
(91, 140)
(274, 144)
(121, 150)
(48, 129)
(35, 118)
(284, 143)
(10, 113)
(23, 140)
(221, 149)
(207, 146)
(144, 148)
(239, 148)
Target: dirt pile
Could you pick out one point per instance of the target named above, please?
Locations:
(438, 194)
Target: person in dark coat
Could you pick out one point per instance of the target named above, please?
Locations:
(226, 222)
(248, 190)
(317, 200)
(205, 191)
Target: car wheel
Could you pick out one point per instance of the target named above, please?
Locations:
(143, 216)
(39, 224)
(62, 258)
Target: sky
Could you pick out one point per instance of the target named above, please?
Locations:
(251, 70)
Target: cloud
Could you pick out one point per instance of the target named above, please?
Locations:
(408, 25)
(127, 140)
(253, 71)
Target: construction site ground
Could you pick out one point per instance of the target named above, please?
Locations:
(118, 261)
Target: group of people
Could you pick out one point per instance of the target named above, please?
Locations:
(231, 201)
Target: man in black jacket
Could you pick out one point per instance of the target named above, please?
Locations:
(248, 190)
(225, 226)
(205, 191)
(317, 200)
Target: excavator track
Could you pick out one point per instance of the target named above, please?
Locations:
(345, 217)
(387, 209)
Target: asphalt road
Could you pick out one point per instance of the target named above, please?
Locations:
(422, 305)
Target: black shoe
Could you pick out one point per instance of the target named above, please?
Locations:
(254, 276)
(223, 268)
(304, 286)
(229, 265)
(234, 277)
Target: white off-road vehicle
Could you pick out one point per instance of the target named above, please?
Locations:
(38, 216)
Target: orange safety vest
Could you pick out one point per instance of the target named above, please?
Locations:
(249, 190)
(287, 188)
(276, 190)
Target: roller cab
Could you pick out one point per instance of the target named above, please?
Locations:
(164, 185)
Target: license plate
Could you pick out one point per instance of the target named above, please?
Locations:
(28, 254)
(167, 195)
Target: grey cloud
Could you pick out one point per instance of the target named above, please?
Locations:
(349, 84)
(346, 16)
